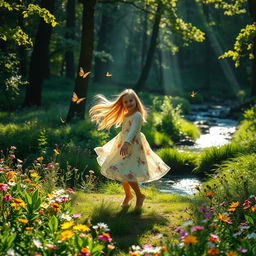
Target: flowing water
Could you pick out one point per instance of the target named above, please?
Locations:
(218, 132)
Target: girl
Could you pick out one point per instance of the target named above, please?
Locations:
(128, 156)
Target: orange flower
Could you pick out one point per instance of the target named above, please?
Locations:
(231, 209)
(134, 254)
(18, 203)
(231, 253)
(23, 221)
(213, 251)
(189, 239)
(27, 180)
(209, 194)
(10, 174)
(40, 158)
(246, 206)
(56, 152)
(111, 247)
(234, 204)
(85, 250)
(253, 209)
(30, 228)
(224, 217)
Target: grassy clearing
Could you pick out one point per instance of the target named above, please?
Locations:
(161, 214)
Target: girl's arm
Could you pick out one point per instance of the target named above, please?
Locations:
(135, 128)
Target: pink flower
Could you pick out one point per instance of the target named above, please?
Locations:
(50, 165)
(12, 147)
(243, 224)
(7, 197)
(178, 229)
(12, 156)
(183, 234)
(105, 237)
(91, 172)
(40, 212)
(70, 191)
(242, 250)
(196, 228)
(76, 216)
(3, 186)
(51, 246)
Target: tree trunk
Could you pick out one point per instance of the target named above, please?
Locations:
(69, 55)
(77, 111)
(252, 11)
(152, 47)
(104, 40)
(144, 39)
(39, 60)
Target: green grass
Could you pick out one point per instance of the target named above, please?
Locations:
(161, 214)
(180, 162)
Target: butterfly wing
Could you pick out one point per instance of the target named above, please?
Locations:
(74, 97)
(80, 100)
(81, 72)
(193, 94)
(108, 74)
(86, 74)
(62, 121)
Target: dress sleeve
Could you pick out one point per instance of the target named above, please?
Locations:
(135, 127)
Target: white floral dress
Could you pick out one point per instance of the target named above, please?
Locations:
(140, 165)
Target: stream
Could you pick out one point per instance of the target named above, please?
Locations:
(216, 130)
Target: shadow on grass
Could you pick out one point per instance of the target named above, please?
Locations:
(126, 225)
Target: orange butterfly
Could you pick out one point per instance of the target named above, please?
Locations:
(76, 99)
(82, 73)
(193, 94)
(108, 74)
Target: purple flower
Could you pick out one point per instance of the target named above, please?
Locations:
(196, 228)
(203, 209)
(7, 197)
(207, 215)
(183, 234)
(243, 224)
(50, 165)
(105, 237)
(242, 250)
(178, 229)
(148, 246)
(222, 204)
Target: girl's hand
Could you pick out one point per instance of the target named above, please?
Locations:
(124, 149)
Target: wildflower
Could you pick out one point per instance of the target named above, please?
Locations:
(231, 209)
(224, 217)
(67, 225)
(91, 172)
(51, 246)
(253, 209)
(81, 227)
(242, 250)
(40, 158)
(241, 176)
(11, 252)
(178, 229)
(213, 251)
(197, 187)
(37, 243)
(12, 147)
(65, 217)
(213, 238)
(27, 180)
(7, 197)
(10, 175)
(196, 228)
(55, 207)
(209, 194)
(207, 215)
(56, 152)
(70, 191)
(135, 254)
(76, 216)
(252, 236)
(101, 226)
(183, 234)
(244, 224)
(105, 237)
(3, 186)
(231, 253)
(84, 252)
(111, 247)
(12, 156)
(18, 203)
(189, 239)
(24, 221)
(30, 228)
(40, 212)
(234, 204)
(203, 209)
(246, 206)
(65, 235)
(34, 174)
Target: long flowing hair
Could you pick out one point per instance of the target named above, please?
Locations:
(107, 113)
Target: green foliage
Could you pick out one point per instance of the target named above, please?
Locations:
(10, 80)
(16, 34)
(180, 162)
(211, 157)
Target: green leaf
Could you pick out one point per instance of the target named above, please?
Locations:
(53, 224)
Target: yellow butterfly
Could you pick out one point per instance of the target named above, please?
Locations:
(82, 73)
(76, 99)
(108, 74)
(193, 94)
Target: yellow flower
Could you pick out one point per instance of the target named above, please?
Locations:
(134, 254)
(224, 217)
(40, 158)
(66, 235)
(56, 152)
(231, 253)
(111, 247)
(18, 203)
(81, 227)
(23, 221)
(10, 174)
(234, 204)
(34, 174)
(253, 209)
(189, 239)
(67, 225)
(213, 251)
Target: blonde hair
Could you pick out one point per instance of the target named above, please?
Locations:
(107, 113)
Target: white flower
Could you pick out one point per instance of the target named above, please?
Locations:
(65, 217)
(152, 250)
(244, 227)
(187, 223)
(237, 234)
(11, 183)
(211, 244)
(37, 243)
(103, 226)
(11, 252)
